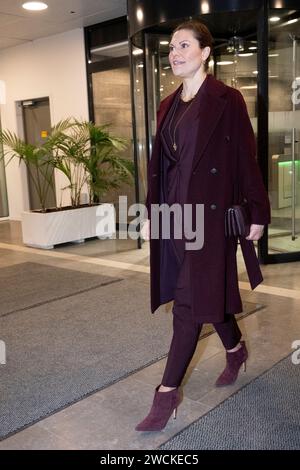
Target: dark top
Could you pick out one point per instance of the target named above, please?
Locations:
(176, 168)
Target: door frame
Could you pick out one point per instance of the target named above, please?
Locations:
(22, 124)
(263, 129)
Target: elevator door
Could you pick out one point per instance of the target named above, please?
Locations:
(37, 125)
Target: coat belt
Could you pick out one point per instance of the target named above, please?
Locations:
(251, 262)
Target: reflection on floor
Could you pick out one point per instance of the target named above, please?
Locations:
(280, 230)
(285, 244)
(106, 420)
(281, 241)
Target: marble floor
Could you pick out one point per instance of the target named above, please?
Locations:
(106, 419)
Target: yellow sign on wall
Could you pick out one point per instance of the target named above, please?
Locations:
(44, 134)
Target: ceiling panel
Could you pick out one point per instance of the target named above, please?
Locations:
(23, 28)
(9, 42)
(18, 25)
(6, 20)
(60, 9)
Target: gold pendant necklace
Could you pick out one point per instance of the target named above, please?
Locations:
(173, 138)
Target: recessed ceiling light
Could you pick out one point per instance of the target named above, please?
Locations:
(249, 87)
(292, 21)
(274, 19)
(137, 52)
(35, 6)
(225, 62)
(139, 15)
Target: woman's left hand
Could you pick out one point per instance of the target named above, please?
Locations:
(256, 232)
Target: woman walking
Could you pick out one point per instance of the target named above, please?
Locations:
(204, 150)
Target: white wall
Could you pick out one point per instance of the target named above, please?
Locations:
(53, 67)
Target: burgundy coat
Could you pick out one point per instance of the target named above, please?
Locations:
(225, 152)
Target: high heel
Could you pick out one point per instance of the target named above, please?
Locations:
(234, 361)
(164, 404)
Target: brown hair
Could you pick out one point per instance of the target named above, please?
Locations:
(201, 33)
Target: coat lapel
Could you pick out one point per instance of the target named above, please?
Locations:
(209, 114)
(164, 108)
(213, 102)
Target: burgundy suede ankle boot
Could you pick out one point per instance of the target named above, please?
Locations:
(234, 360)
(164, 404)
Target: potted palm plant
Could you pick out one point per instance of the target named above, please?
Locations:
(91, 154)
(86, 154)
(37, 158)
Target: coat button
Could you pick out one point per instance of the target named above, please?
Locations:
(213, 207)
(227, 138)
(154, 175)
(213, 171)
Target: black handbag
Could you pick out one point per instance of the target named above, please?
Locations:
(237, 220)
(237, 216)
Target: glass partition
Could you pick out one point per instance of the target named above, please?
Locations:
(3, 193)
(112, 104)
(284, 132)
(235, 63)
(138, 88)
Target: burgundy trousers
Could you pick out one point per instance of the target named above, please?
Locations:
(186, 330)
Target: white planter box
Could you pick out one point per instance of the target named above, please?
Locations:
(44, 230)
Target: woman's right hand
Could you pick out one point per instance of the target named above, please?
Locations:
(256, 232)
(145, 230)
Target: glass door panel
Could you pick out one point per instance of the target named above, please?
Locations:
(235, 64)
(138, 87)
(112, 105)
(284, 127)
